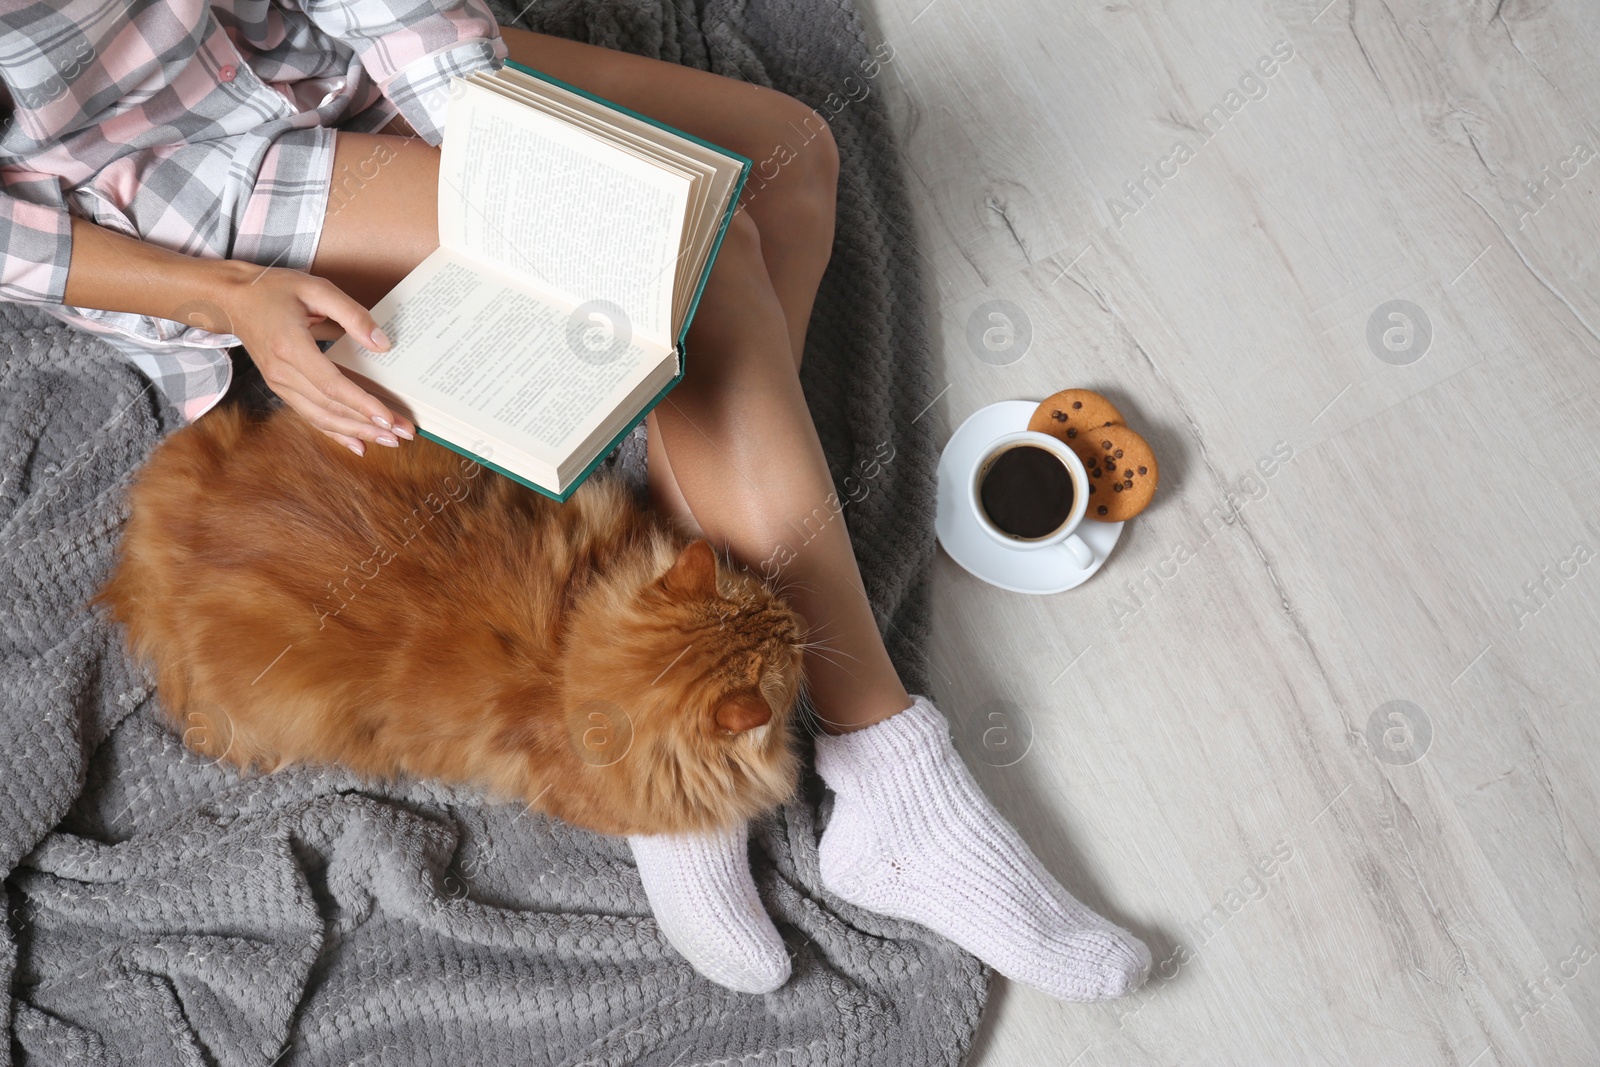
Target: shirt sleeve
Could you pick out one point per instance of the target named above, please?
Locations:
(412, 48)
(35, 251)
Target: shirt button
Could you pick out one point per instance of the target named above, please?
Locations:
(227, 73)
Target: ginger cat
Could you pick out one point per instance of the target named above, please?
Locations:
(413, 612)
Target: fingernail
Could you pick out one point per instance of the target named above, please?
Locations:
(382, 422)
(385, 439)
(358, 448)
(380, 338)
(401, 431)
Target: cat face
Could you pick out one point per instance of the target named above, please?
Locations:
(702, 655)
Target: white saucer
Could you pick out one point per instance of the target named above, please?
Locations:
(1020, 570)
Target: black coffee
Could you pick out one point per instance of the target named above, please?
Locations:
(1026, 491)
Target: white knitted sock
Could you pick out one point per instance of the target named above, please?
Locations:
(705, 901)
(912, 836)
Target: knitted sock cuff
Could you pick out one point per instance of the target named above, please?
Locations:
(906, 737)
(717, 838)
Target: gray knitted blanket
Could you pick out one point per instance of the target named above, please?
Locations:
(162, 910)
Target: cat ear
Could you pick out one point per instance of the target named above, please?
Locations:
(743, 709)
(694, 572)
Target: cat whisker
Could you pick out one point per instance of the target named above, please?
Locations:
(813, 631)
(817, 643)
(823, 653)
(790, 582)
(830, 660)
(811, 718)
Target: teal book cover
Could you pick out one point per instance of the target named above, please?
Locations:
(694, 303)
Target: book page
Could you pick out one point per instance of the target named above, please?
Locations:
(623, 130)
(542, 200)
(605, 120)
(489, 354)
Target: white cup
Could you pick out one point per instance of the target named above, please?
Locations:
(1063, 538)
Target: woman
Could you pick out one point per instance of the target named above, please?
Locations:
(180, 177)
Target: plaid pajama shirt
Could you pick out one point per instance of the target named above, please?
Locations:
(205, 128)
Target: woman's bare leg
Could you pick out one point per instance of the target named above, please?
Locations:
(746, 466)
(743, 442)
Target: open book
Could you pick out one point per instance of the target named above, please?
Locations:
(575, 237)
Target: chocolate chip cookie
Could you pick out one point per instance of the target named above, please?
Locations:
(1070, 412)
(1122, 471)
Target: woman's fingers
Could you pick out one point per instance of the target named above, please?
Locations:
(357, 401)
(332, 418)
(322, 381)
(322, 297)
(291, 309)
(384, 437)
(343, 430)
(354, 444)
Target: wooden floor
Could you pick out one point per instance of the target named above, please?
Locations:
(1217, 759)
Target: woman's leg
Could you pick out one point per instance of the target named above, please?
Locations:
(749, 471)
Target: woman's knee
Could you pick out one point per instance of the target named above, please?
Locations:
(745, 295)
(827, 162)
(816, 148)
(743, 239)
(740, 317)
(799, 162)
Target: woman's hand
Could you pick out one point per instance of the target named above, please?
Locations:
(280, 314)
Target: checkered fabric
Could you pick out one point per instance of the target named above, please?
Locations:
(205, 128)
